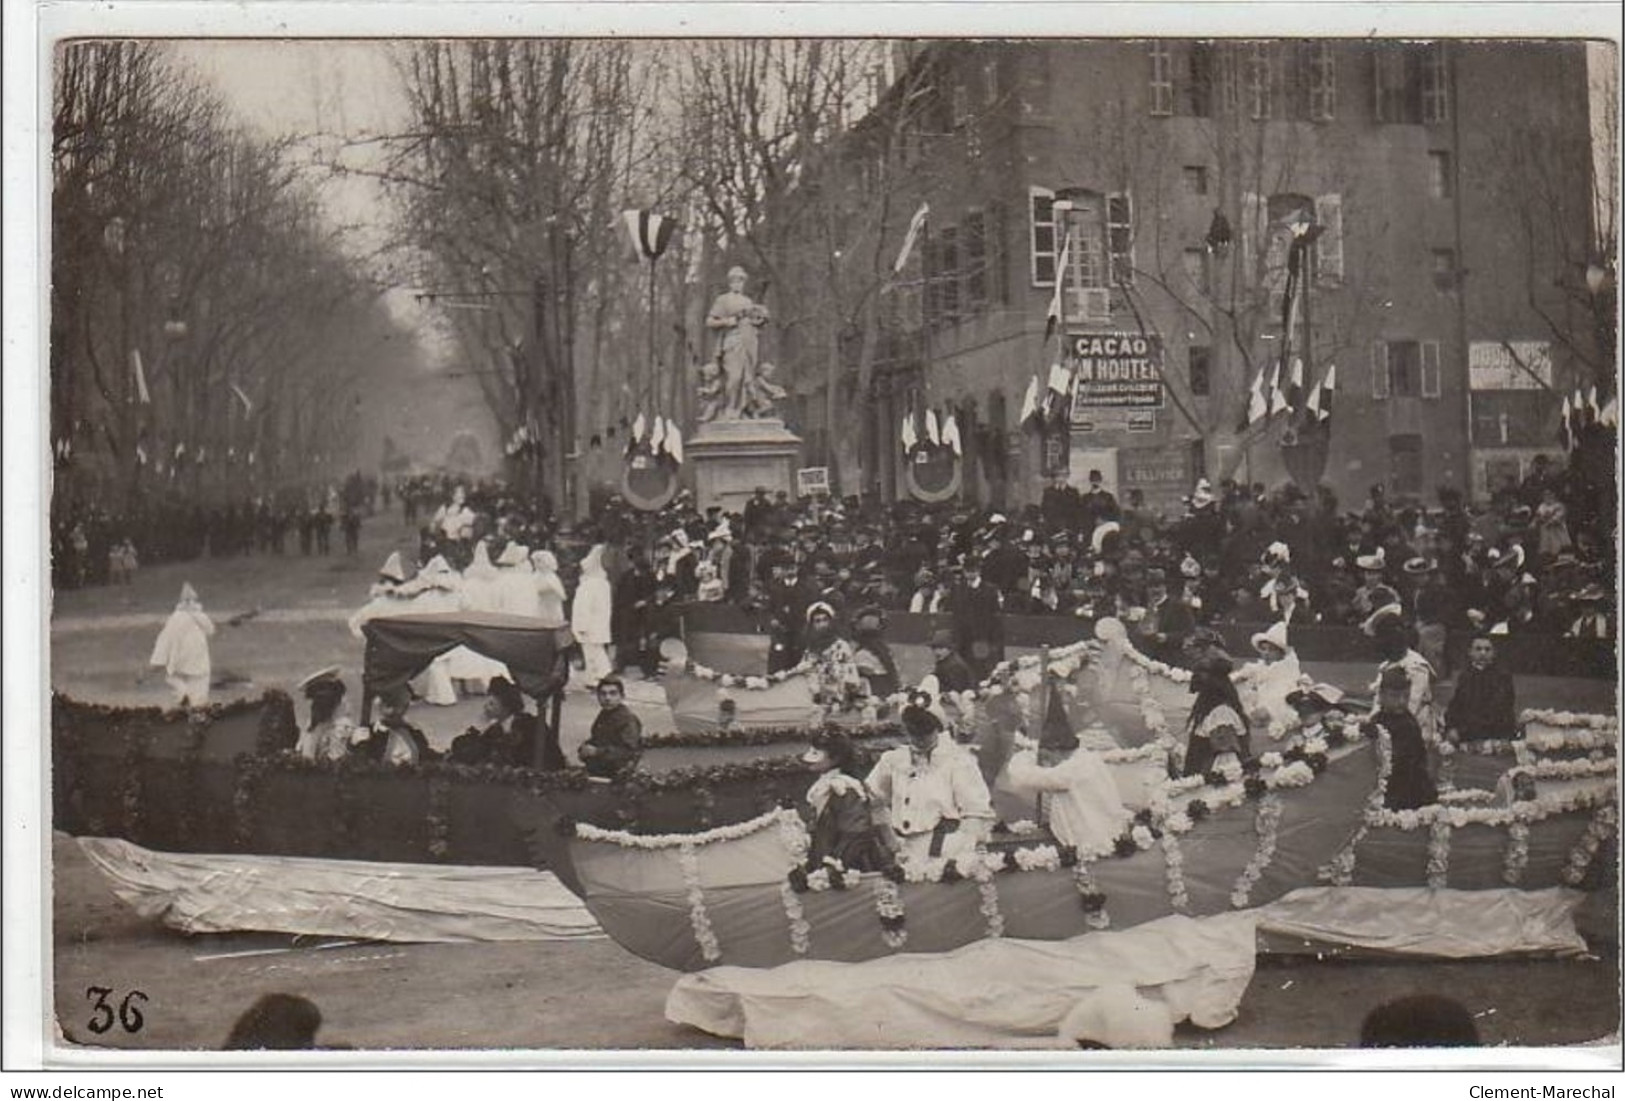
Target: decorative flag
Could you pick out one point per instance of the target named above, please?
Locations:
(1576, 418)
(1057, 392)
(910, 438)
(651, 232)
(1029, 401)
(1565, 426)
(1610, 412)
(140, 454)
(674, 442)
(931, 432)
(1328, 392)
(637, 429)
(248, 406)
(140, 377)
(1257, 405)
(1591, 404)
(950, 433)
(1294, 388)
(180, 449)
(1052, 320)
(915, 225)
(657, 435)
(1278, 400)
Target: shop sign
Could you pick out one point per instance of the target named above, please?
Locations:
(1509, 365)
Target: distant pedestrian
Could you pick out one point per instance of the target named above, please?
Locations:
(590, 616)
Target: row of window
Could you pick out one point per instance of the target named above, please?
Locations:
(1399, 368)
(1295, 80)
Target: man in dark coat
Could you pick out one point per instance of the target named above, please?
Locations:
(1061, 505)
(1098, 505)
(634, 593)
(789, 595)
(1161, 632)
(615, 743)
(977, 607)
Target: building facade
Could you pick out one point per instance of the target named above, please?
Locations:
(1447, 186)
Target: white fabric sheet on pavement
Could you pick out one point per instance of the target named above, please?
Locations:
(990, 994)
(349, 898)
(1421, 921)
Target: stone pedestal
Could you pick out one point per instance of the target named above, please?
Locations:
(731, 458)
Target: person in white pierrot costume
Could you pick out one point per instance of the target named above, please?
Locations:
(435, 589)
(590, 616)
(387, 597)
(518, 582)
(481, 591)
(182, 650)
(936, 803)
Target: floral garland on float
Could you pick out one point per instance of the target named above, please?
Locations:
(1552, 732)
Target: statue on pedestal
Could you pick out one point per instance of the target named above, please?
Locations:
(737, 320)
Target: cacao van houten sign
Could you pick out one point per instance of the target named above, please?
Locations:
(1114, 371)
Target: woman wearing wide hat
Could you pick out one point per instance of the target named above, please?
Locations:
(1218, 722)
(1267, 682)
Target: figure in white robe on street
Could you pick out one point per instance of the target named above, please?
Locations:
(388, 596)
(590, 617)
(518, 582)
(1073, 786)
(182, 650)
(549, 588)
(434, 589)
(1265, 684)
(481, 592)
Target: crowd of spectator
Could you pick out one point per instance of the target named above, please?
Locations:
(101, 542)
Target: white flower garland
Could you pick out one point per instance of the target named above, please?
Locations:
(1533, 810)
(1173, 858)
(1576, 769)
(889, 905)
(1039, 858)
(1574, 719)
(649, 842)
(1601, 827)
(1339, 871)
(800, 928)
(1438, 869)
(697, 917)
(989, 891)
(1022, 827)
(1517, 855)
(793, 832)
(1265, 825)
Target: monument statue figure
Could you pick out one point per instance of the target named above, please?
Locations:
(763, 394)
(737, 320)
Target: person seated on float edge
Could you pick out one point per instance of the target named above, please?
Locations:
(935, 802)
(843, 824)
(393, 740)
(1268, 680)
(329, 733)
(615, 743)
(873, 657)
(1485, 703)
(510, 736)
(1420, 1020)
(951, 670)
(1218, 723)
(1410, 782)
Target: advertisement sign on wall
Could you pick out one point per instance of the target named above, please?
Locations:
(1114, 371)
(1162, 474)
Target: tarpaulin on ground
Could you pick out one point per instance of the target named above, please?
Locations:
(213, 893)
(992, 993)
(1420, 921)
(401, 647)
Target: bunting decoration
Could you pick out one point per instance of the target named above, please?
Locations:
(1058, 393)
(1320, 398)
(908, 435)
(1257, 404)
(248, 406)
(1565, 426)
(931, 428)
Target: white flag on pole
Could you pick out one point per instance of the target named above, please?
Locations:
(908, 435)
(931, 432)
(915, 225)
(950, 433)
(140, 377)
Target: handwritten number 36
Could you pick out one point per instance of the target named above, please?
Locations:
(102, 1017)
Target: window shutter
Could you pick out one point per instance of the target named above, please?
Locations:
(1041, 234)
(1379, 369)
(1120, 237)
(1430, 369)
(1329, 248)
(1252, 216)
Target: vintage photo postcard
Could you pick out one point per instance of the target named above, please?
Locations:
(584, 540)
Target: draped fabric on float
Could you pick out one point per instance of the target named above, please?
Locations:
(401, 647)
